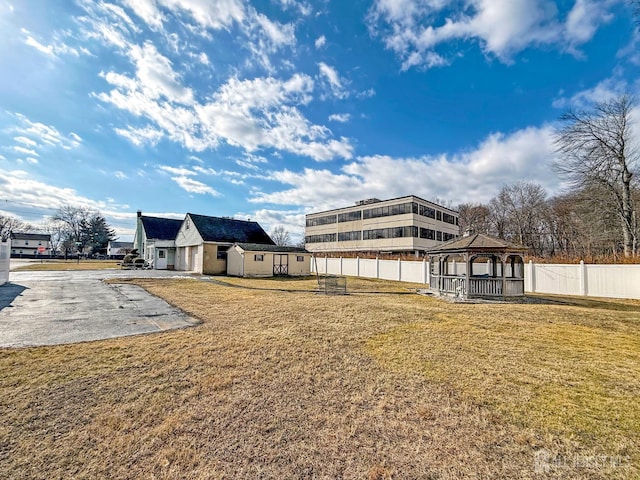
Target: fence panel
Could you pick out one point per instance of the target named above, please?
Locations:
(618, 281)
(388, 269)
(5, 254)
(558, 279)
(412, 272)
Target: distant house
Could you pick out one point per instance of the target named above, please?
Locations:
(30, 245)
(117, 250)
(202, 242)
(155, 239)
(259, 260)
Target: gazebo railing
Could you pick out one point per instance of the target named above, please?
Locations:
(457, 285)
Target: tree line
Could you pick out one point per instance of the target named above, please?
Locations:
(72, 229)
(597, 156)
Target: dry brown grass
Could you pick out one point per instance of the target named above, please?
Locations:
(283, 384)
(50, 265)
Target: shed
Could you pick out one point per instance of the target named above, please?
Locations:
(202, 242)
(478, 266)
(261, 260)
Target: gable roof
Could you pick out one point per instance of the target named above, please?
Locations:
(260, 247)
(229, 230)
(478, 242)
(160, 228)
(30, 236)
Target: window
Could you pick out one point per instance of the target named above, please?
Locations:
(258, 257)
(160, 253)
(439, 236)
(388, 211)
(300, 258)
(327, 237)
(427, 233)
(26, 242)
(438, 215)
(186, 224)
(346, 236)
(326, 220)
(395, 232)
(350, 216)
(449, 218)
(221, 255)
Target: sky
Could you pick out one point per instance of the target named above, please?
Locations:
(271, 109)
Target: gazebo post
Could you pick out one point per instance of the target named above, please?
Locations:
(467, 281)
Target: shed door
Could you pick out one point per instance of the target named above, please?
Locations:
(161, 259)
(280, 264)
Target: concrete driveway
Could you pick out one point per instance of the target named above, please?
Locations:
(50, 308)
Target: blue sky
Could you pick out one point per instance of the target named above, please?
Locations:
(275, 108)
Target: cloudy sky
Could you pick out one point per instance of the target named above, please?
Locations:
(275, 108)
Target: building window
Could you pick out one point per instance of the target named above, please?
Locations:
(388, 211)
(427, 233)
(186, 224)
(26, 242)
(394, 232)
(160, 253)
(350, 216)
(222, 255)
(439, 236)
(327, 237)
(348, 236)
(258, 257)
(438, 215)
(300, 258)
(325, 220)
(448, 218)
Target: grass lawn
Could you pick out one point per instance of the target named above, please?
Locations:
(50, 265)
(278, 382)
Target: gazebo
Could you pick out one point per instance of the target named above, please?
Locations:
(478, 266)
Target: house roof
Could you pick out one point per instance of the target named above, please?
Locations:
(30, 236)
(121, 244)
(478, 242)
(160, 228)
(229, 230)
(260, 247)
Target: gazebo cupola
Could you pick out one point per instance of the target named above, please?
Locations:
(478, 266)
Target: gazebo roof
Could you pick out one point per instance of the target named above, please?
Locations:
(478, 242)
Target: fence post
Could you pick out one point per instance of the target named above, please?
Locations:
(326, 265)
(428, 274)
(424, 270)
(340, 265)
(532, 276)
(399, 270)
(357, 266)
(583, 278)
(377, 267)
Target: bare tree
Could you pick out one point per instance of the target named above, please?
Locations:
(9, 225)
(597, 153)
(474, 217)
(281, 236)
(56, 230)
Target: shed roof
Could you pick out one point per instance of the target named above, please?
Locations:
(478, 242)
(229, 230)
(160, 228)
(260, 247)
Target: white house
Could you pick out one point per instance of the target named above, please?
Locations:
(202, 242)
(155, 240)
(259, 260)
(30, 245)
(118, 249)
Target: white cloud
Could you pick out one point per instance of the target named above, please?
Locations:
(25, 141)
(472, 176)
(25, 151)
(52, 50)
(194, 186)
(120, 175)
(320, 41)
(502, 28)
(340, 117)
(38, 134)
(2, 157)
(605, 90)
(336, 84)
(148, 11)
(140, 136)
(182, 172)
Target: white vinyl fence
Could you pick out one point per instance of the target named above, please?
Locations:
(613, 281)
(5, 254)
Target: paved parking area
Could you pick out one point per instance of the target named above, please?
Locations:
(50, 308)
